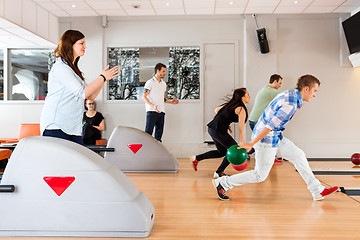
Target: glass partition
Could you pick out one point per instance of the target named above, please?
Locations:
(28, 75)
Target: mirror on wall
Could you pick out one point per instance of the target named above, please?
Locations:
(137, 66)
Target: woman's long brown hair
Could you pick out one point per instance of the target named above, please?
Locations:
(65, 51)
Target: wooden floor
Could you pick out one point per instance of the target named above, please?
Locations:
(187, 207)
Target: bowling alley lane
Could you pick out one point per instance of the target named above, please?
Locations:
(347, 181)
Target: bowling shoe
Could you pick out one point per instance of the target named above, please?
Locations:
(325, 192)
(194, 162)
(220, 190)
(217, 175)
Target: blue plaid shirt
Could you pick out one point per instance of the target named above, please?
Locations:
(276, 115)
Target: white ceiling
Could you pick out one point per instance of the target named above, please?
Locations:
(75, 8)
(14, 36)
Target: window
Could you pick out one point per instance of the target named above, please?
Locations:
(137, 66)
(28, 74)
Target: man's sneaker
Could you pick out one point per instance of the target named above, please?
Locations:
(277, 160)
(194, 162)
(325, 192)
(220, 190)
(217, 175)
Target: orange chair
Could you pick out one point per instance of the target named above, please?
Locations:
(25, 130)
(101, 142)
(5, 154)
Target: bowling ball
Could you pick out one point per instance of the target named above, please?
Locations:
(355, 158)
(236, 156)
(240, 167)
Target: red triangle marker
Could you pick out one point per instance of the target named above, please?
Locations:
(59, 184)
(134, 147)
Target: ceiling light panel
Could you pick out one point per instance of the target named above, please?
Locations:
(170, 11)
(251, 10)
(60, 13)
(334, 3)
(352, 3)
(263, 3)
(291, 3)
(111, 12)
(104, 5)
(320, 9)
(297, 9)
(346, 9)
(177, 4)
(235, 3)
(129, 4)
(229, 10)
(82, 13)
(208, 4)
(68, 5)
(50, 6)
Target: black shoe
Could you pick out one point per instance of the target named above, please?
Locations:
(220, 190)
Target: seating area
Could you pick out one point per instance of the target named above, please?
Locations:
(101, 142)
(25, 130)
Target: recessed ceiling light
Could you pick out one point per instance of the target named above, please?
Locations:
(167, 4)
(296, 2)
(73, 5)
(231, 3)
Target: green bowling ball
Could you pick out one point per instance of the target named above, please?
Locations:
(236, 156)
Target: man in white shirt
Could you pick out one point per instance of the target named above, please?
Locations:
(155, 96)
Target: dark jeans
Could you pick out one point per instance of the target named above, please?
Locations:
(222, 142)
(60, 134)
(252, 125)
(157, 120)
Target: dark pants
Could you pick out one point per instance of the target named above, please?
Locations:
(222, 142)
(252, 125)
(157, 120)
(60, 134)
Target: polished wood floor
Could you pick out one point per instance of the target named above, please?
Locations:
(187, 206)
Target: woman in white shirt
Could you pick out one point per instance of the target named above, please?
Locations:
(64, 104)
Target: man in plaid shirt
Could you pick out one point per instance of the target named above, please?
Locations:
(267, 139)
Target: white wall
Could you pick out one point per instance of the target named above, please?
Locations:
(299, 44)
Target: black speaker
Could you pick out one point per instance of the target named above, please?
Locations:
(263, 42)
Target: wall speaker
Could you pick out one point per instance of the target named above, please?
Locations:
(263, 42)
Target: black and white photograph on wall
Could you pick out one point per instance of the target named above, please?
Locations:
(184, 73)
(124, 86)
(137, 66)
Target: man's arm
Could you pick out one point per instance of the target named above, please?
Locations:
(258, 137)
(173, 101)
(145, 98)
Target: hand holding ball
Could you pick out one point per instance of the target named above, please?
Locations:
(236, 156)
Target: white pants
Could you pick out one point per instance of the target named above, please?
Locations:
(264, 160)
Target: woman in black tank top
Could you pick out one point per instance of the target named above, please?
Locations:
(232, 111)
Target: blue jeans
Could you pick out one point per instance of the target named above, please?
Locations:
(252, 125)
(157, 120)
(60, 134)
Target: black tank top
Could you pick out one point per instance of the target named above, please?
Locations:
(223, 119)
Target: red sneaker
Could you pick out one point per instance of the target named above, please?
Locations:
(194, 162)
(327, 191)
(277, 161)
